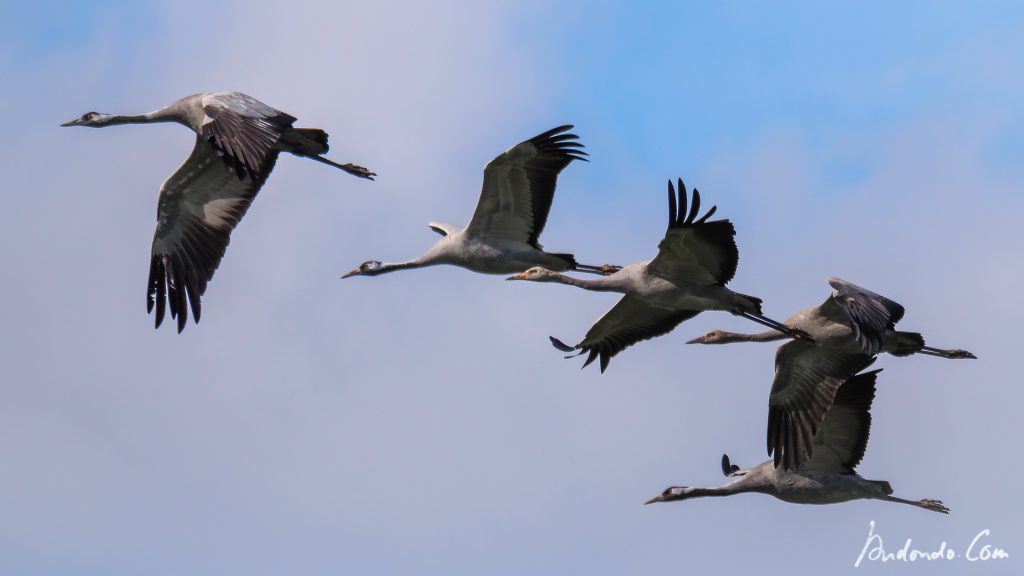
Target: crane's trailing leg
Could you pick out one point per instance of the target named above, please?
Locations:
(954, 354)
(604, 269)
(350, 168)
(927, 504)
(776, 325)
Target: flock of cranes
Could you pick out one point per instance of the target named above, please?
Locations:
(819, 404)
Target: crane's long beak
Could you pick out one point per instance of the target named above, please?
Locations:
(520, 276)
(355, 272)
(74, 122)
(699, 340)
(657, 498)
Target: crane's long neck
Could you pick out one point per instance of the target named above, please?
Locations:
(166, 114)
(751, 481)
(737, 487)
(727, 490)
(421, 262)
(603, 284)
(768, 336)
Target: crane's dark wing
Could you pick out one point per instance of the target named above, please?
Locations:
(870, 314)
(806, 379)
(519, 186)
(695, 251)
(842, 438)
(199, 206)
(630, 321)
(243, 130)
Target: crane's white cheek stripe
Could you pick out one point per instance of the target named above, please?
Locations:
(220, 213)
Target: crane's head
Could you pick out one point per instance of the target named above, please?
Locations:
(535, 274)
(94, 119)
(368, 268)
(673, 493)
(713, 337)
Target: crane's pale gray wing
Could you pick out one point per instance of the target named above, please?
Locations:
(199, 206)
(842, 438)
(806, 379)
(870, 314)
(695, 251)
(243, 130)
(519, 186)
(630, 321)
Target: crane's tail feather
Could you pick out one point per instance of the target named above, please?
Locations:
(316, 135)
(569, 259)
(749, 304)
(907, 343)
(885, 486)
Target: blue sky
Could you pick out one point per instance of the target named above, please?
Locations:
(419, 423)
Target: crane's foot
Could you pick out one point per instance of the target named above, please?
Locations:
(933, 505)
(609, 269)
(358, 171)
(961, 354)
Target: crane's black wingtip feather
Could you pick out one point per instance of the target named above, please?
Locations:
(671, 205)
(562, 139)
(682, 211)
(553, 132)
(561, 345)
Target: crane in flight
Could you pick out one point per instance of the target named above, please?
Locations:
(503, 235)
(238, 140)
(829, 477)
(695, 261)
(850, 328)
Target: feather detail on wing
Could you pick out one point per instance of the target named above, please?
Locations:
(519, 186)
(200, 204)
(630, 321)
(694, 250)
(243, 130)
(842, 438)
(806, 379)
(870, 314)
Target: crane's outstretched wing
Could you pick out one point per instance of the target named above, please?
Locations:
(695, 251)
(243, 130)
(519, 186)
(630, 321)
(806, 379)
(199, 206)
(842, 438)
(870, 314)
